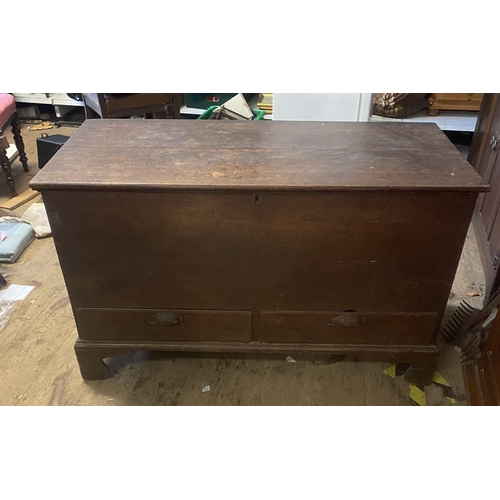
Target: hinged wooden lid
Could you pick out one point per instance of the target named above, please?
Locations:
(264, 155)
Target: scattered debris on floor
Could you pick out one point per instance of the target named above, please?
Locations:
(441, 382)
(36, 215)
(474, 293)
(417, 395)
(396, 370)
(390, 372)
(416, 391)
(290, 359)
(16, 292)
(41, 126)
(6, 310)
(205, 389)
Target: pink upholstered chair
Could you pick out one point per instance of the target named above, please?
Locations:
(8, 116)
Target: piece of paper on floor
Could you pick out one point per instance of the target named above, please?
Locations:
(439, 379)
(16, 292)
(205, 389)
(417, 395)
(290, 359)
(390, 372)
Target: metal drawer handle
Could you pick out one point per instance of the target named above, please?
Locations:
(347, 320)
(495, 141)
(166, 319)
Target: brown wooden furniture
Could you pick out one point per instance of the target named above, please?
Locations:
(271, 237)
(482, 379)
(453, 102)
(8, 116)
(125, 105)
(484, 157)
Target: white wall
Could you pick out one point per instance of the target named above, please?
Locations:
(322, 107)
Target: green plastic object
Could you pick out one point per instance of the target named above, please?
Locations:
(259, 113)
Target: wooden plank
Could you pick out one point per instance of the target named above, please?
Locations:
(19, 200)
(125, 154)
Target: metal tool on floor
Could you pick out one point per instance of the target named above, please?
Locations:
(468, 327)
(458, 323)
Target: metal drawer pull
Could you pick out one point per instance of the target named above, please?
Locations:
(166, 319)
(347, 320)
(495, 141)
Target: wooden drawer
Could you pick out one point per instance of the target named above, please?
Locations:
(348, 328)
(158, 324)
(455, 102)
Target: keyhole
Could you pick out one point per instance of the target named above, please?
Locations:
(258, 199)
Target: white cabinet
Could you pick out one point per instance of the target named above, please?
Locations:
(322, 107)
(61, 102)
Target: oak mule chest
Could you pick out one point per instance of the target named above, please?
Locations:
(273, 237)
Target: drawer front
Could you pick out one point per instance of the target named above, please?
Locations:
(162, 324)
(348, 328)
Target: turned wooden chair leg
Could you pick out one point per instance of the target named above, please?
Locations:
(5, 163)
(18, 140)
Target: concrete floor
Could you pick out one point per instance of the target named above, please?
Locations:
(38, 366)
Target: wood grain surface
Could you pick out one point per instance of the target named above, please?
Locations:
(122, 324)
(372, 252)
(159, 154)
(300, 217)
(39, 366)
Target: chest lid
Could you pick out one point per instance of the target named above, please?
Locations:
(265, 155)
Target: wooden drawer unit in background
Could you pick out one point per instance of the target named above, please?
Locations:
(453, 102)
(274, 237)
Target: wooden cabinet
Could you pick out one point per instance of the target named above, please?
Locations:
(453, 102)
(273, 237)
(482, 378)
(485, 158)
(62, 103)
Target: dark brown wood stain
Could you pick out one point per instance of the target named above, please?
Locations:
(223, 222)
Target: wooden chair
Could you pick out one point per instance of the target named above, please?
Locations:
(8, 116)
(126, 105)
